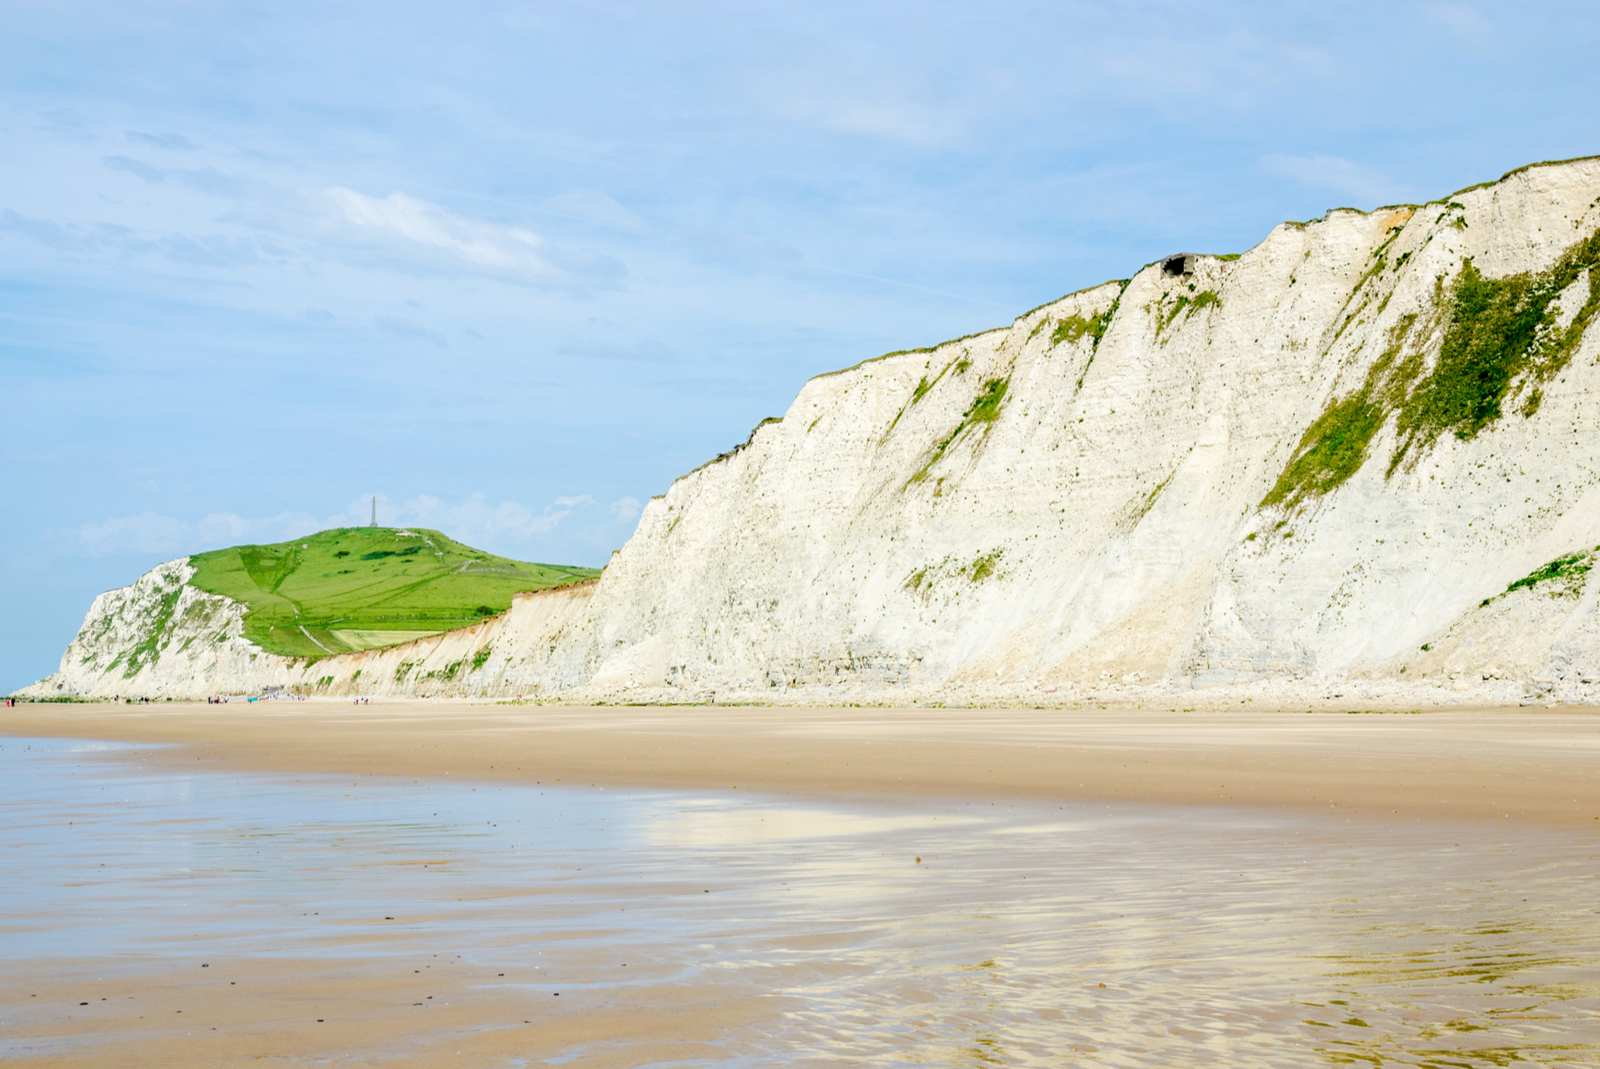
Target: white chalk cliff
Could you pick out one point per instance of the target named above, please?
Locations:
(1321, 462)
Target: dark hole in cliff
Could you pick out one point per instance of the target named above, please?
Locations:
(1181, 264)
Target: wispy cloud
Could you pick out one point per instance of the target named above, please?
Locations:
(475, 519)
(205, 179)
(890, 102)
(1334, 173)
(214, 250)
(143, 533)
(149, 532)
(647, 351)
(408, 220)
(46, 232)
(169, 142)
(402, 231)
(402, 327)
(1466, 21)
(231, 529)
(199, 250)
(138, 168)
(65, 120)
(397, 232)
(596, 207)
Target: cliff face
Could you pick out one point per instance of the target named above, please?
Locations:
(1327, 458)
(160, 638)
(137, 638)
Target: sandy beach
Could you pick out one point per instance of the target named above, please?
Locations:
(1539, 767)
(737, 885)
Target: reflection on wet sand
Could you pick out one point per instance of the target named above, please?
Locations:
(422, 923)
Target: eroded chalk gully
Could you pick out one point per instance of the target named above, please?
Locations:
(1221, 937)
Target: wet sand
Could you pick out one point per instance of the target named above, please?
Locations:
(1337, 827)
(1488, 765)
(351, 1012)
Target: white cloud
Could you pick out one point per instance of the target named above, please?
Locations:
(207, 250)
(397, 231)
(138, 168)
(144, 533)
(596, 207)
(206, 179)
(224, 528)
(1332, 173)
(148, 532)
(475, 520)
(410, 328)
(404, 231)
(231, 529)
(856, 99)
(1464, 20)
(648, 351)
(170, 142)
(429, 225)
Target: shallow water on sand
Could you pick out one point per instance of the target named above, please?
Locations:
(1026, 934)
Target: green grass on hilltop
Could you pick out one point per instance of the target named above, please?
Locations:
(361, 587)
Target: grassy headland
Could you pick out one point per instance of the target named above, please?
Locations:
(361, 587)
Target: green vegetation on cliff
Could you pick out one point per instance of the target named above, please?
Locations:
(1503, 340)
(1075, 326)
(361, 587)
(984, 410)
(1566, 574)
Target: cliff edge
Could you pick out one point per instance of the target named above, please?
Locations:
(1361, 454)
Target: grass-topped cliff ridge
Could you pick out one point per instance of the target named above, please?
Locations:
(356, 588)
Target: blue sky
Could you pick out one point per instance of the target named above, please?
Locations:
(514, 267)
